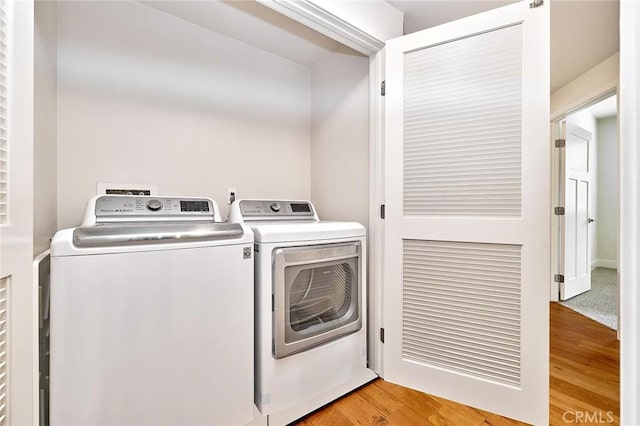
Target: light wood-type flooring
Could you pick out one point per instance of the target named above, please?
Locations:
(584, 385)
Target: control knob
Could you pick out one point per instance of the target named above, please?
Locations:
(154, 205)
(275, 207)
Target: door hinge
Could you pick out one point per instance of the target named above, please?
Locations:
(382, 335)
(561, 143)
(382, 211)
(558, 211)
(558, 278)
(383, 88)
(536, 3)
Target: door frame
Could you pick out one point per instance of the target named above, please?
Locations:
(629, 209)
(557, 117)
(314, 16)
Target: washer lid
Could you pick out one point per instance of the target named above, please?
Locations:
(276, 232)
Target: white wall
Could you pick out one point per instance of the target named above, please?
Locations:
(587, 121)
(339, 137)
(583, 89)
(45, 125)
(144, 97)
(607, 225)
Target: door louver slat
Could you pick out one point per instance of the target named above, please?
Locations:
(465, 318)
(4, 148)
(463, 127)
(4, 328)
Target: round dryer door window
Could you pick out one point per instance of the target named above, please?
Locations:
(317, 296)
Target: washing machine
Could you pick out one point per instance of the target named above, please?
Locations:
(310, 307)
(151, 315)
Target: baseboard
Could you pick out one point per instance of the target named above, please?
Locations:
(604, 263)
(287, 416)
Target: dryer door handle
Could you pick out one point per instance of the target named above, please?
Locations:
(320, 253)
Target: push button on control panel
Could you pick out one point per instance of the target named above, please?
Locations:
(154, 205)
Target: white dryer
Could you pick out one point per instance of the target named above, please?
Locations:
(152, 315)
(310, 289)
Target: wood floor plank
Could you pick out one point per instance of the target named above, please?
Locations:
(360, 411)
(385, 402)
(329, 415)
(599, 387)
(591, 373)
(407, 416)
(418, 401)
(601, 349)
(592, 398)
(563, 407)
(495, 420)
(456, 414)
(584, 377)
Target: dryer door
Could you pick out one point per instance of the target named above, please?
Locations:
(316, 295)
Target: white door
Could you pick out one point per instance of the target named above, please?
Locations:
(467, 230)
(18, 296)
(577, 223)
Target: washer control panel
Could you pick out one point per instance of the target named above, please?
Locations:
(271, 208)
(127, 207)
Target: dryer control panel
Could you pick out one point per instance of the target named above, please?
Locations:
(273, 210)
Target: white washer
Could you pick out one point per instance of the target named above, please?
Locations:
(152, 315)
(310, 287)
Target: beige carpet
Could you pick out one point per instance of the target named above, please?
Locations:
(601, 302)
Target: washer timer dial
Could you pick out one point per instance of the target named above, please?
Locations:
(154, 205)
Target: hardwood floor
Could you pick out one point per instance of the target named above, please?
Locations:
(584, 387)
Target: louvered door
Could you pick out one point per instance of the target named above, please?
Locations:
(18, 294)
(4, 94)
(467, 200)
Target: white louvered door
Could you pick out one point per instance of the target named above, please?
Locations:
(18, 294)
(467, 229)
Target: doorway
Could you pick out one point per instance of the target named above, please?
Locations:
(588, 217)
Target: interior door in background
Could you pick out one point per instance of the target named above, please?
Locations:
(467, 229)
(577, 223)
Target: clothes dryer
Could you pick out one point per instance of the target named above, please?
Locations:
(310, 301)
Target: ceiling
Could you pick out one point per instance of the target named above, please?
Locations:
(253, 24)
(605, 108)
(583, 32)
